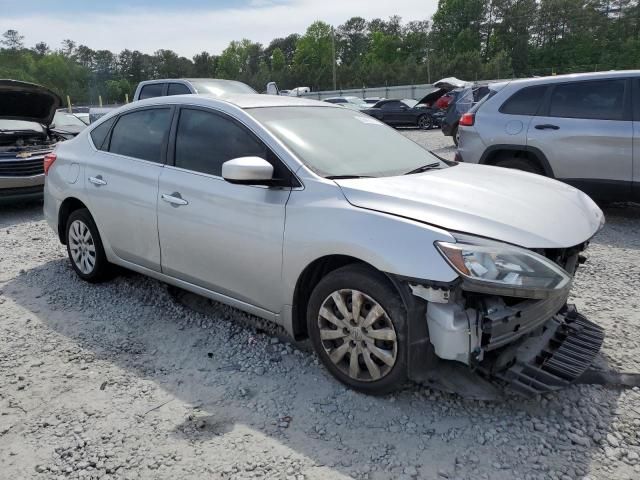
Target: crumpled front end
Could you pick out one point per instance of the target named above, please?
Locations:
(534, 345)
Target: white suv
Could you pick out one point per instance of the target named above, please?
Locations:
(580, 129)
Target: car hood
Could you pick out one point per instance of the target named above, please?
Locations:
(434, 95)
(28, 102)
(507, 205)
(451, 83)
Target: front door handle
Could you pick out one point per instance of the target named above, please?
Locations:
(97, 180)
(547, 126)
(174, 199)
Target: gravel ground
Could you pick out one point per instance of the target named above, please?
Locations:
(120, 380)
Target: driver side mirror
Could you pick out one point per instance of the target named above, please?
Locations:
(248, 171)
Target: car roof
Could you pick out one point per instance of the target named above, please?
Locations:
(575, 77)
(245, 100)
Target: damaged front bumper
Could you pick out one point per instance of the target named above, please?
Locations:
(528, 346)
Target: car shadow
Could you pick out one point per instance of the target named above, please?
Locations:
(232, 377)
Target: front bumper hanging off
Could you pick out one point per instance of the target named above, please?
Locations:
(563, 350)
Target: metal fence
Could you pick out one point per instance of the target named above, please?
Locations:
(398, 91)
(401, 91)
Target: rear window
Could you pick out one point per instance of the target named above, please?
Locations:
(599, 100)
(525, 102)
(141, 134)
(152, 90)
(178, 89)
(99, 134)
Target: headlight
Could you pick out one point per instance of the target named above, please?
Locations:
(505, 269)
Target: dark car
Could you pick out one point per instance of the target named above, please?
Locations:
(399, 113)
(462, 101)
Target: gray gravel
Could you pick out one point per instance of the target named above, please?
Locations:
(120, 380)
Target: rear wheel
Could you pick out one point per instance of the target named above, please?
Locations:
(85, 249)
(517, 163)
(356, 321)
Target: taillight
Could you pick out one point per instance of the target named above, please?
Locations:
(49, 158)
(467, 119)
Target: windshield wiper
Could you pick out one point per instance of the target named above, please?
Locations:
(424, 168)
(346, 177)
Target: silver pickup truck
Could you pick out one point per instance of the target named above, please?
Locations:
(180, 86)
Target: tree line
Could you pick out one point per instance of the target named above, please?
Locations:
(469, 39)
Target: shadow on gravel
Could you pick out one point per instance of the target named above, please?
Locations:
(234, 376)
(19, 212)
(621, 218)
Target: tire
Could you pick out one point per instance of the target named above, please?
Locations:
(520, 164)
(454, 135)
(380, 345)
(85, 249)
(425, 122)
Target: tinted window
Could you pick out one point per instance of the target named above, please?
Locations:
(151, 90)
(141, 134)
(390, 105)
(601, 100)
(99, 134)
(525, 101)
(178, 89)
(205, 140)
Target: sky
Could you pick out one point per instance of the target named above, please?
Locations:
(186, 26)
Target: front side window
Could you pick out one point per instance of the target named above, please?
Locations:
(99, 134)
(205, 140)
(151, 91)
(525, 101)
(178, 89)
(141, 134)
(598, 100)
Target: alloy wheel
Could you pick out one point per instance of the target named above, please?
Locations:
(82, 247)
(357, 335)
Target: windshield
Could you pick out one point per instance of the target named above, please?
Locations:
(221, 87)
(335, 142)
(62, 119)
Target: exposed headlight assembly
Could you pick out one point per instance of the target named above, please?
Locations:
(503, 269)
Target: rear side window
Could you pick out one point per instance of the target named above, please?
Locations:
(141, 134)
(205, 140)
(152, 90)
(178, 89)
(99, 134)
(390, 105)
(524, 102)
(599, 100)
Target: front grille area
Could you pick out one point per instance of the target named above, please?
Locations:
(567, 258)
(22, 168)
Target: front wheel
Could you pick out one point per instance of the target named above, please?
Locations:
(357, 324)
(425, 122)
(85, 249)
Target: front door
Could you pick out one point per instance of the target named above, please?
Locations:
(586, 133)
(122, 184)
(214, 234)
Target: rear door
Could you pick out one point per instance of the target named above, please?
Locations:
(122, 184)
(586, 133)
(393, 112)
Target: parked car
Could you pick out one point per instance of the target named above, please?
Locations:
(352, 102)
(462, 100)
(180, 86)
(26, 113)
(67, 124)
(401, 113)
(338, 228)
(373, 100)
(575, 128)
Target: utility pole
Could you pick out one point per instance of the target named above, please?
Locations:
(333, 53)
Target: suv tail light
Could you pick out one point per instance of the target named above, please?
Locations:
(468, 119)
(49, 158)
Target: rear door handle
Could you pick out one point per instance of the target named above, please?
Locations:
(547, 126)
(174, 199)
(97, 180)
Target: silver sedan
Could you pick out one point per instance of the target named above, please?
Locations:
(333, 225)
